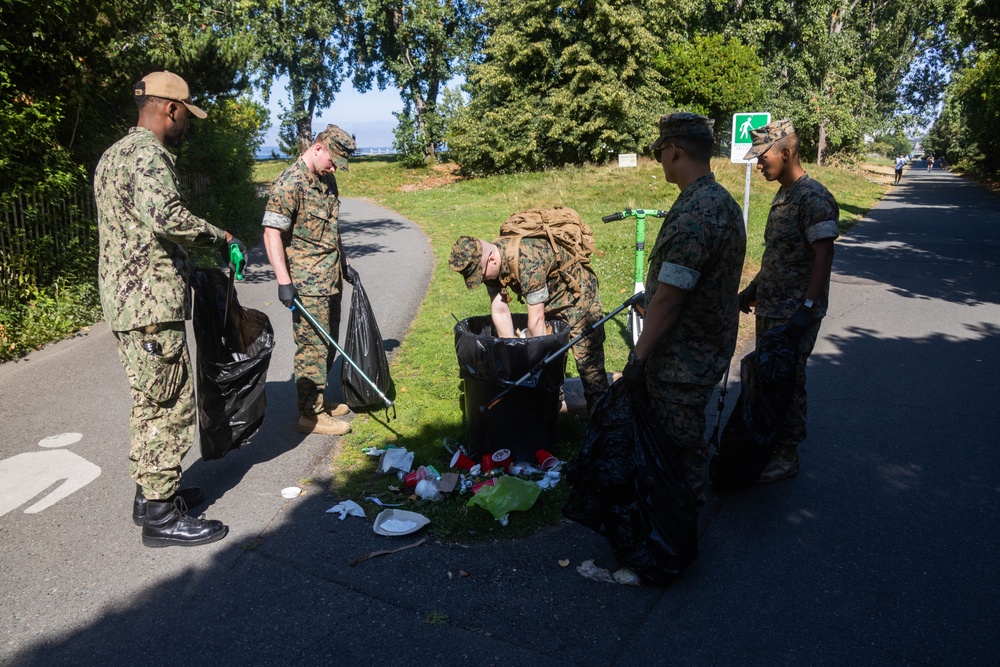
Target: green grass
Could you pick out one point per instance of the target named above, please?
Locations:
(424, 368)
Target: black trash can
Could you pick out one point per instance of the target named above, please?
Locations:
(525, 420)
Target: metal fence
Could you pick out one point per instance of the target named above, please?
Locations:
(42, 237)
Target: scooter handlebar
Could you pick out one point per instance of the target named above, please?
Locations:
(613, 217)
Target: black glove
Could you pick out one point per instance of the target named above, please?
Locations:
(287, 294)
(350, 274)
(748, 297)
(635, 371)
(227, 253)
(799, 322)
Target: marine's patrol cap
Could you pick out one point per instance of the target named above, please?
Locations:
(764, 137)
(467, 259)
(683, 124)
(340, 144)
(169, 86)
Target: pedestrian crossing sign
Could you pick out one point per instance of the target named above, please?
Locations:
(743, 123)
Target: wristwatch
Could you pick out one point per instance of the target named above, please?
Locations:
(808, 304)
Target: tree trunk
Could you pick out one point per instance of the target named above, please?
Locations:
(821, 147)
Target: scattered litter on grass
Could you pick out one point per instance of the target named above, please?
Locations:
(378, 502)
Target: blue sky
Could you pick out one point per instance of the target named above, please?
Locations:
(366, 115)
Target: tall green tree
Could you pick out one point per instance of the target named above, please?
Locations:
(304, 41)
(416, 46)
(834, 66)
(714, 76)
(564, 82)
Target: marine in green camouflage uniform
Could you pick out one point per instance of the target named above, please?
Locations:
(687, 343)
(304, 206)
(144, 228)
(571, 297)
(800, 230)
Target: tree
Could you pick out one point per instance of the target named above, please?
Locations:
(713, 76)
(304, 41)
(563, 82)
(417, 46)
(835, 66)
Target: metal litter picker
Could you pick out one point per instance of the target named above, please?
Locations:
(330, 341)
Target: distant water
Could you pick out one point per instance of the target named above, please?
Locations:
(268, 152)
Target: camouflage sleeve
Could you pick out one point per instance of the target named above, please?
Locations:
(683, 253)
(819, 216)
(158, 204)
(533, 271)
(282, 202)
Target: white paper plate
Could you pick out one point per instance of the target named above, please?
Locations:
(388, 520)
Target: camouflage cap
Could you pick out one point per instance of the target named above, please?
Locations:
(339, 143)
(467, 259)
(683, 124)
(168, 86)
(765, 137)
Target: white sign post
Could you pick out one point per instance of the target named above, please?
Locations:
(743, 123)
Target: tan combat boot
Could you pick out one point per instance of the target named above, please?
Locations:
(783, 465)
(322, 424)
(335, 409)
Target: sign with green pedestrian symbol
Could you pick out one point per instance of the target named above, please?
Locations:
(743, 123)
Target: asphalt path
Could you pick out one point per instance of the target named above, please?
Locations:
(883, 551)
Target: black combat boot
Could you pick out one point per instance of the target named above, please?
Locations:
(192, 498)
(167, 525)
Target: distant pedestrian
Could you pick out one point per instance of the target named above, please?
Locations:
(692, 308)
(900, 163)
(930, 163)
(302, 239)
(793, 285)
(144, 227)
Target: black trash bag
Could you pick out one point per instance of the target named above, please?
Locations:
(524, 421)
(364, 347)
(233, 356)
(628, 487)
(767, 378)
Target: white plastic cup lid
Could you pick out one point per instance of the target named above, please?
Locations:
(291, 492)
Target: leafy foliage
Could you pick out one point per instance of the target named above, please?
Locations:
(417, 46)
(562, 82)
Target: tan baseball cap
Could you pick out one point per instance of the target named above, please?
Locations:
(169, 86)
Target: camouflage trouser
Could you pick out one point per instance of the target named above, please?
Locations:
(680, 409)
(793, 431)
(163, 408)
(589, 354)
(313, 356)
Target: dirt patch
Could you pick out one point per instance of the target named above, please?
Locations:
(883, 175)
(444, 174)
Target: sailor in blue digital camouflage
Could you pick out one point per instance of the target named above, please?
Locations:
(692, 313)
(792, 287)
(302, 239)
(551, 284)
(144, 229)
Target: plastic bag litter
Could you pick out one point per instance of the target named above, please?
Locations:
(233, 355)
(364, 346)
(626, 486)
(508, 494)
(767, 380)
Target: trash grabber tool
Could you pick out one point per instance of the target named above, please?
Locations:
(329, 339)
(530, 379)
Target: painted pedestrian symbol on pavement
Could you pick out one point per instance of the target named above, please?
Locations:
(24, 476)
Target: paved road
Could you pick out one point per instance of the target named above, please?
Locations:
(884, 550)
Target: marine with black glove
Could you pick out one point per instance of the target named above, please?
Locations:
(302, 239)
(793, 285)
